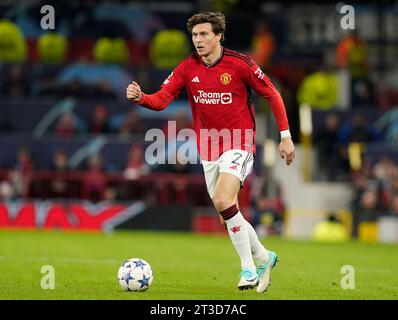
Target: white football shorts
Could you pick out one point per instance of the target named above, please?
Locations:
(237, 162)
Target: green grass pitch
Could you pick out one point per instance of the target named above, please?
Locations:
(187, 266)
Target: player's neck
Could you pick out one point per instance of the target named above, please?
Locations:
(213, 56)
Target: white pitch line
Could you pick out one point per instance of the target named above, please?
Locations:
(64, 259)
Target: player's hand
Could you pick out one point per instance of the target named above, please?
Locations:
(286, 150)
(133, 92)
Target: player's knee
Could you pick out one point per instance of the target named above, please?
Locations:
(222, 203)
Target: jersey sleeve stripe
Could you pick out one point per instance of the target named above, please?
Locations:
(234, 54)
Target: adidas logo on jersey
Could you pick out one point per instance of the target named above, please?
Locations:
(196, 79)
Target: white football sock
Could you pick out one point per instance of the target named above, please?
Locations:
(258, 250)
(238, 232)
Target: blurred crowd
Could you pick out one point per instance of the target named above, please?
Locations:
(100, 46)
(95, 179)
(375, 180)
(376, 189)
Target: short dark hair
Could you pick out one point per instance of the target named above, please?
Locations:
(216, 19)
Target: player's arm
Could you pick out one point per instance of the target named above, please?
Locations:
(263, 86)
(158, 101)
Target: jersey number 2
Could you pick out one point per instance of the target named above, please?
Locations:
(239, 155)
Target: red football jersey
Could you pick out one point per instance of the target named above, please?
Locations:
(221, 100)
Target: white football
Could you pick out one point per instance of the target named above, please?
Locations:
(135, 275)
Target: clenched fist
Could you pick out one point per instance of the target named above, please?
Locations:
(133, 92)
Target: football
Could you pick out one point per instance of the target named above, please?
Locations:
(135, 275)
